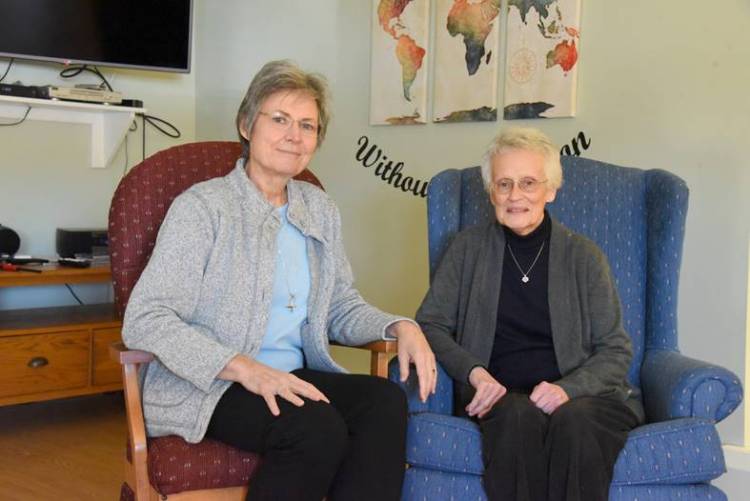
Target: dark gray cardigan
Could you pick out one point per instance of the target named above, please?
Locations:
(459, 313)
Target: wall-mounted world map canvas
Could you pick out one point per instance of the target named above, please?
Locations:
(398, 73)
(541, 59)
(466, 38)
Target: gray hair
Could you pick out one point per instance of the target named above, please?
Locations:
(528, 139)
(278, 76)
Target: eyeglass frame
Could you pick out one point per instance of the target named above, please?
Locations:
(532, 185)
(305, 121)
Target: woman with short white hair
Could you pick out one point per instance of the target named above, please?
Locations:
(524, 315)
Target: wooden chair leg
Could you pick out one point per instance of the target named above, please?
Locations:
(379, 364)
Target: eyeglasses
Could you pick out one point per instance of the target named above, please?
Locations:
(526, 184)
(283, 122)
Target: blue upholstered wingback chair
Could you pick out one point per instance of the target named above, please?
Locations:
(638, 218)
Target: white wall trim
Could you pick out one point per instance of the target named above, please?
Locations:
(737, 457)
(747, 352)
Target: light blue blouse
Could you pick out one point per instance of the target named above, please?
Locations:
(282, 343)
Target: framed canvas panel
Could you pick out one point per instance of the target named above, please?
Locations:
(398, 73)
(541, 62)
(466, 39)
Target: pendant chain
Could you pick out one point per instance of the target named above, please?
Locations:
(525, 276)
(290, 305)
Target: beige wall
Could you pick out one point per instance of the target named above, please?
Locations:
(661, 84)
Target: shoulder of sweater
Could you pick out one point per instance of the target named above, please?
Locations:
(475, 233)
(467, 243)
(218, 194)
(217, 188)
(313, 195)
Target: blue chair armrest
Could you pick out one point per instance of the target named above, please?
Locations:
(675, 386)
(439, 403)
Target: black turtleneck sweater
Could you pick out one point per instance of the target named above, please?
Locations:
(523, 354)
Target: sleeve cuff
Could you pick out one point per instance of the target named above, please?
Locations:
(387, 337)
(205, 383)
(468, 373)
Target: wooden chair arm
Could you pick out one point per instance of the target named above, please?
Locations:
(138, 467)
(122, 355)
(381, 346)
(379, 355)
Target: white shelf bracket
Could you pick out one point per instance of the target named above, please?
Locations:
(109, 123)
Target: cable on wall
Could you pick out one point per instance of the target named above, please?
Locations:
(159, 124)
(74, 71)
(74, 294)
(17, 122)
(10, 63)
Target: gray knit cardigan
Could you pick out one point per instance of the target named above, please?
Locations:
(205, 295)
(459, 313)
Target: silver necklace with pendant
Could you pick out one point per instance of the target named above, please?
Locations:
(525, 276)
(290, 304)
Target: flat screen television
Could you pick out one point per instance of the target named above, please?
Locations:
(143, 34)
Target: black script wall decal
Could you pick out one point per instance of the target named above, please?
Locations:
(577, 143)
(369, 155)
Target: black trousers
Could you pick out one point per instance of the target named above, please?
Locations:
(568, 455)
(350, 449)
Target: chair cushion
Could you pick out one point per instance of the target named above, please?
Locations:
(444, 443)
(424, 484)
(684, 492)
(176, 466)
(682, 451)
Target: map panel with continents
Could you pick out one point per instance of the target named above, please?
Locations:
(398, 70)
(541, 62)
(466, 38)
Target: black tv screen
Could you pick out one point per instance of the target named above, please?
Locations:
(123, 33)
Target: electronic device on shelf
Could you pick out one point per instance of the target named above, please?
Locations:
(83, 94)
(19, 90)
(74, 262)
(133, 34)
(9, 241)
(75, 242)
(19, 259)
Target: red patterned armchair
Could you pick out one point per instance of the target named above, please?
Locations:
(169, 467)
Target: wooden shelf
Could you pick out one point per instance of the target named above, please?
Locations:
(57, 319)
(109, 123)
(53, 274)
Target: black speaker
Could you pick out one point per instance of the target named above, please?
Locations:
(9, 241)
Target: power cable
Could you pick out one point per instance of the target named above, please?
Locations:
(28, 109)
(10, 63)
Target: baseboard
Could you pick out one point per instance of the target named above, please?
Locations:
(737, 457)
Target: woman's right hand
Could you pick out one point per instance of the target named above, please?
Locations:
(488, 392)
(269, 383)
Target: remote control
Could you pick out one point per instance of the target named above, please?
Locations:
(74, 262)
(25, 260)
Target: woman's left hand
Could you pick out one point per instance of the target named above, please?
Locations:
(548, 397)
(413, 348)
